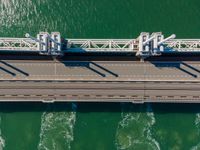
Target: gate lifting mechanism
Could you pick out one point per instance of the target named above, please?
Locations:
(152, 45)
(48, 44)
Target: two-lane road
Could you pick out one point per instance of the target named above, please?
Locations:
(108, 81)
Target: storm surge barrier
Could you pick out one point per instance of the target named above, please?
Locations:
(59, 79)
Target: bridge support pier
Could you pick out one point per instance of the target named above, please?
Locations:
(56, 44)
(151, 45)
(43, 48)
(48, 44)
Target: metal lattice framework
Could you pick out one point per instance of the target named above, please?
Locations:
(18, 44)
(102, 45)
(183, 45)
(144, 46)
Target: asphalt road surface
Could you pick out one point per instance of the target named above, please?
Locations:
(99, 71)
(106, 81)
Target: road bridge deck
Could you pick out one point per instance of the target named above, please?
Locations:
(111, 81)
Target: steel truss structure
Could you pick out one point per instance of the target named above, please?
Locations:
(18, 44)
(144, 46)
(183, 45)
(102, 45)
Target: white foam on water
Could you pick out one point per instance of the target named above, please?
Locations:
(57, 130)
(197, 124)
(134, 130)
(2, 141)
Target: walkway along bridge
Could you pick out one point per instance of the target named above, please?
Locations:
(102, 81)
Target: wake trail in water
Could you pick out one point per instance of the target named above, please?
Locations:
(57, 130)
(134, 130)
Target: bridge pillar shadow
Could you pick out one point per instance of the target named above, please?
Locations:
(11, 67)
(182, 66)
(94, 67)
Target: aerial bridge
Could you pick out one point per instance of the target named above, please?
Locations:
(64, 80)
(145, 45)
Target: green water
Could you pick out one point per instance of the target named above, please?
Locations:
(100, 126)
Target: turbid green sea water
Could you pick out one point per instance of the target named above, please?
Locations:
(99, 126)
